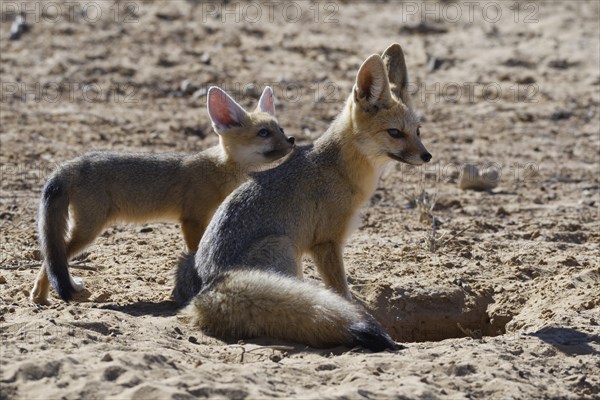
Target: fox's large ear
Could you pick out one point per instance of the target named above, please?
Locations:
(224, 112)
(393, 59)
(266, 102)
(372, 89)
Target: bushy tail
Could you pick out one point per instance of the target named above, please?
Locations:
(52, 227)
(250, 303)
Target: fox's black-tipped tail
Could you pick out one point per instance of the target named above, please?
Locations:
(370, 335)
(250, 303)
(52, 226)
(60, 280)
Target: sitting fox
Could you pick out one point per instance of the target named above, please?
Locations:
(246, 277)
(96, 189)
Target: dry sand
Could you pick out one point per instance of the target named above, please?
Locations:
(500, 302)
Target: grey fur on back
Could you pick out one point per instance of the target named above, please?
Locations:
(250, 210)
(152, 180)
(248, 214)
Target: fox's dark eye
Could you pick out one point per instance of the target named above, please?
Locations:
(395, 133)
(281, 129)
(264, 132)
(419, 132)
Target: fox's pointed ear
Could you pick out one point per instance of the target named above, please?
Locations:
(224, 112)
(393, 59)
(266, 102)
(372, 89)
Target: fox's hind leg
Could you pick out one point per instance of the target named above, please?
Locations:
(275, 253)
(84, 230)
(41, 288)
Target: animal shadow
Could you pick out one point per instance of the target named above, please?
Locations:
(568, 341)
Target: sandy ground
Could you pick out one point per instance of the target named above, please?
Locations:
(500, 302)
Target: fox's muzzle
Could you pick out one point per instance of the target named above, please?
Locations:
(282, 150)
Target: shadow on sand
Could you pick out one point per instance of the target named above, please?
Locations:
(568, 341)
(165, 308)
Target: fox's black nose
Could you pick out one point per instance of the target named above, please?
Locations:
(291, 140)
(426, 157)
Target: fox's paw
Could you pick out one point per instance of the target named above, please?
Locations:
(39, 293)
(77, 284)
(39, 300)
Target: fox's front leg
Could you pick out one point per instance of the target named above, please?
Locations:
(328, 259)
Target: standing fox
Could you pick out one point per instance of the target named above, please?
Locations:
(98, 188)
(245, 279)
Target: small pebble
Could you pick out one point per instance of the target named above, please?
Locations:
(473, 179)
(18, 27)
(251, 91)
(200, 93)
(36, 255)
(187, 87)
(501, 212)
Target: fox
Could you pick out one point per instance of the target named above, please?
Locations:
(86, 194)
(245, 280)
